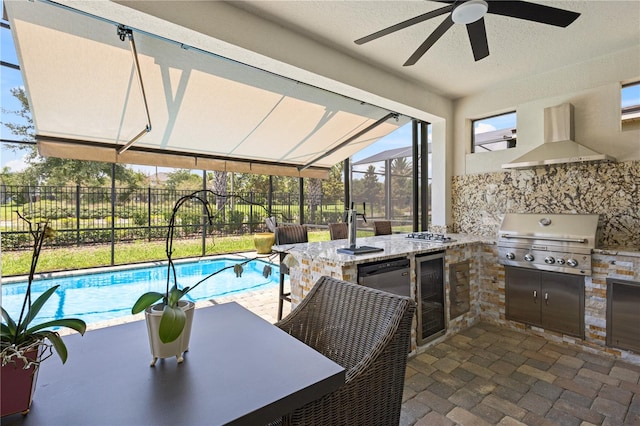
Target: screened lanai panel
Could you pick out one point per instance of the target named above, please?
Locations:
(83, 89)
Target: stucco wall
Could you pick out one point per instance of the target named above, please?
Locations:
(594, 90)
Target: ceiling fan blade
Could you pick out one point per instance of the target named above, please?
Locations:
(435, 36)
(533, 12)
(404, 24)
(478, 38)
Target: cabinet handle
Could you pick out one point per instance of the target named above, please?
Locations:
(546, 298)
(535, 295)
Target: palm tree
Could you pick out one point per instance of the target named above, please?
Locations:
(314, 196)
(401, 184)
(401, 167)
(220, 188)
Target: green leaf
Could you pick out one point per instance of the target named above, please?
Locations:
(175, 294)
(6, 333)
(171, 324)
(10, 324)
(58, 344)
(74, 323)
(35, 308)
(145, 301)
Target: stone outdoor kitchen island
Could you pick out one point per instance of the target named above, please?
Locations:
(485, 275)
(313, 260)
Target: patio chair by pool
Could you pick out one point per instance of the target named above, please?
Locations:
(289, 234)
(338, 231)
(366, 331)
(381, 227)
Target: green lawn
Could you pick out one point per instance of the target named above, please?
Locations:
(70, 258)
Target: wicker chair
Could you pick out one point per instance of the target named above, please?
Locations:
(366, 331)
(381, 227)
(338, 231)
(290, 234)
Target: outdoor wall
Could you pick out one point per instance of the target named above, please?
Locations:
(592, 87)
(482, 191)
(611, 190)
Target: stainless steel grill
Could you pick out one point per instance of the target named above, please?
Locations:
(550, 242)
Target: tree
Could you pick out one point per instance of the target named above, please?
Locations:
(401, 184)
(371, 187)
(63, 171)
(287, 184)
(333, 188)
(25, 128)
(314, 196)
(183, 179)
(219, 187)
(249, 182)
(401, 167)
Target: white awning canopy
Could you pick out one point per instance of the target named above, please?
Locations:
(204, 111)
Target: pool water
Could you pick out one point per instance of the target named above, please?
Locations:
(108, 295)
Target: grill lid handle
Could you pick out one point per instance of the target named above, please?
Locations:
(532, 237)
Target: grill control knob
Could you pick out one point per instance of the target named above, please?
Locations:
(572, 262)
(560, 261)
(510, 256)
(529, 257)
(549, 260)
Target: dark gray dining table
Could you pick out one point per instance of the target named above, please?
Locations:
(240, 369)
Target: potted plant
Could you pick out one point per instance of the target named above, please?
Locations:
(25, 345)
(169, 317)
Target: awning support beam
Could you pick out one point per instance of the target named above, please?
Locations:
(349, 140)
(125, 33)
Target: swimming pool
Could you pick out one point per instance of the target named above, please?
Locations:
(107, 295)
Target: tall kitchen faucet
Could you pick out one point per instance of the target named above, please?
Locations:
(352, 220)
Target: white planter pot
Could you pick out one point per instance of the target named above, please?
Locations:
(178, 347)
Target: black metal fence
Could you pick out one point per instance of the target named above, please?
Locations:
(95, 215)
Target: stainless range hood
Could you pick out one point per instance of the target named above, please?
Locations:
(559, 146)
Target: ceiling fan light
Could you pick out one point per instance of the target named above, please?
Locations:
(469, 11)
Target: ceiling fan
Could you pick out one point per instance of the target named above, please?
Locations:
(471, 13)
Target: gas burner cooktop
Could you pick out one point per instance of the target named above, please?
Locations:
(430, 237)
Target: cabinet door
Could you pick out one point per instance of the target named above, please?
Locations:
(522, 295)
(562, 303)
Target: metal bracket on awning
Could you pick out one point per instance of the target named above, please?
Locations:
(127, 33)
(351, 139)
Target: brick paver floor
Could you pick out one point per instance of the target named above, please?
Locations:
(488, 375)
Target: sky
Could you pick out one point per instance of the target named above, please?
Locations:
(11, 78)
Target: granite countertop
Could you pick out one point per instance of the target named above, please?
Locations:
(618, 251)
(393, 246)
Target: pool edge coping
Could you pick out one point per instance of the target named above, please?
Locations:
(100, 269)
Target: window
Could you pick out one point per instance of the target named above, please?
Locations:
(630, 105)
(382, 177)
(494, 133)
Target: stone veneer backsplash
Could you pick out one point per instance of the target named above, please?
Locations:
(611, 190)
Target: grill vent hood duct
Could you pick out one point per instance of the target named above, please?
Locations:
(559, 146)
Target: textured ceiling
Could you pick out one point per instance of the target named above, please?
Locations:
(518, 48)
